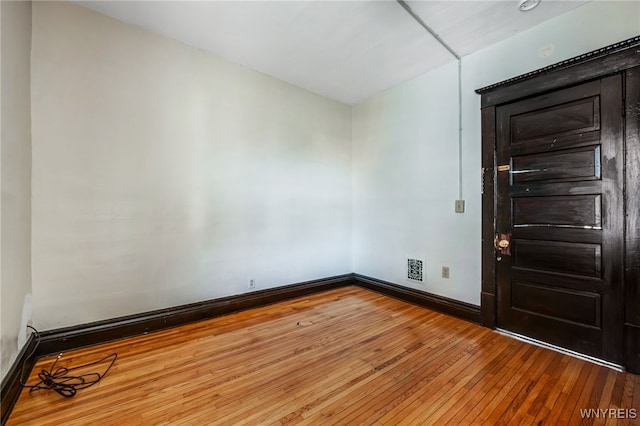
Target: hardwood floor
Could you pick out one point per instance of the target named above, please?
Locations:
(343, 357)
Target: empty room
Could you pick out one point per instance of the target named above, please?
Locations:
(320, 212)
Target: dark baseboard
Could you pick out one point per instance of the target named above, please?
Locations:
(434, 302)
(10, 389)
(95, 333)
(65, 339)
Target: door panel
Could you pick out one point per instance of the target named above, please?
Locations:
(554, 256)
(573, 117)
(576, 211)
(551, 301)
(556, 143)
(581, 163)
(559, 197)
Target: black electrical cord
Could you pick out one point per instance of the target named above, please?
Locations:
(60, 381)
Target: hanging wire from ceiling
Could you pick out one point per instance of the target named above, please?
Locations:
(435, 35)
(426, 27)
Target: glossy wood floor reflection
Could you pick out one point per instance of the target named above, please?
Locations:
(344, 357)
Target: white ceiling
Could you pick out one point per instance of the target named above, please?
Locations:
(344, 50)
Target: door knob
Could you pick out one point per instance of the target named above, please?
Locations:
(502, 243)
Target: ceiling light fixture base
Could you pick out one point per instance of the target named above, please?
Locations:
(527, 5)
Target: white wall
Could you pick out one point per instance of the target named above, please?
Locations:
(163, 175)
(15, 178)
(405, 158)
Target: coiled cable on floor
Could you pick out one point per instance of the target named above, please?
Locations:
(60, 380)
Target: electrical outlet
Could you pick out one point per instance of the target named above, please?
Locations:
(459, 206)
(445, 272)
(252, 283)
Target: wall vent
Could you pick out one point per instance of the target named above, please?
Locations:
(414, 269)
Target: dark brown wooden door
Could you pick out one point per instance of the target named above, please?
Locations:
(561, 200)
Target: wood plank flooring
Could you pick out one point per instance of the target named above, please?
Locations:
(343, 357)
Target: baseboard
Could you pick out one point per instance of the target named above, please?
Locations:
(434, 302)
(95, 333)
(10, 388)
(65, 339)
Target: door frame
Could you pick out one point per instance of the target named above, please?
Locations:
(624, 58)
